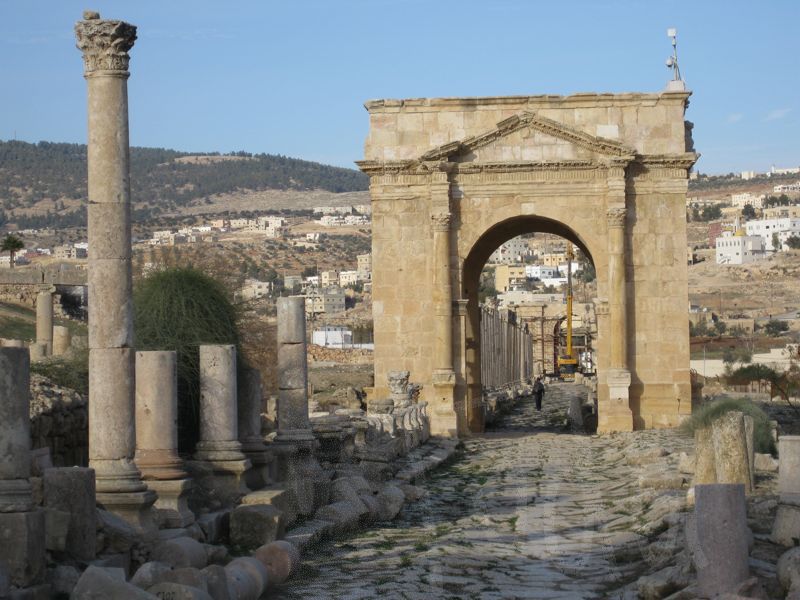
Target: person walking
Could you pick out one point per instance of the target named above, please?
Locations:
(538, 392)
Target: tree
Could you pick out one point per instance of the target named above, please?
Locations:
(774, 327)
(748, 212)
(793, 242)
(11, 244)
(785, 384)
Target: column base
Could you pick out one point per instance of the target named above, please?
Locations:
(172, 505)
(295, 436)
(218, 451)
(134, 507)
(117, 476)
(159, 464)
(615, 413)
(220, 480)
(22, 547)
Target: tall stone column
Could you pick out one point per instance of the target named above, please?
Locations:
(253, 447)
(44, 319)
(21, 526)
(297, 468)
(157, 435)
(786, 527)
(219, 460)
(616, 415)
(112, 436)
(443, 415)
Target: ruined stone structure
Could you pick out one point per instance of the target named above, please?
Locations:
(453, 178)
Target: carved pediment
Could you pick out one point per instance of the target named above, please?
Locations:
(528, 136)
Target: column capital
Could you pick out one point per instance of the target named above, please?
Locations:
(616, 216)
(104, 43)
(441, 221)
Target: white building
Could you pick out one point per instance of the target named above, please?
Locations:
(540, 271)
(738, 249)
(512, 251)
(745, 198)
(313, 237)
(363, 209)
(240, 223)
(329, 278)
(766, 228)
(253, 289)
(787, 187)
(748, 175)
(331, 336)
(349, 278)
(790, 171)
(162, 235)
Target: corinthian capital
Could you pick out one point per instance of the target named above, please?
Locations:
(104, 43)
(441, 221)
(616, 216)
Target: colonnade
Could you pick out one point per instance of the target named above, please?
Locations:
(506, 349)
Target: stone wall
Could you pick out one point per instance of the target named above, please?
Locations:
(59, 421)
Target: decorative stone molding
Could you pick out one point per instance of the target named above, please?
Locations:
(104, 43)
(616, 216)
(441, 221)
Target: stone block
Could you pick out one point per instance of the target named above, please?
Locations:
(255, 525)
(72, 489)
(150, 573)
(346, 516)
(789, 470)
(62, 579)
(247, 577)
(22, 546)
(705, 470)
(765, 462)
(788, 569)
(35, 592)
(176, 591)
(732, 448)
(110, 302)
(97, 583)
(215, 525)
(281, 559)
(181, 552)
(56, 527)
(217, 582)
(118, 534)
(292, 366)
(786, 527)
(390, 500)
(720, 527)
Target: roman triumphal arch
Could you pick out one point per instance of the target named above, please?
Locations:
(452, 178)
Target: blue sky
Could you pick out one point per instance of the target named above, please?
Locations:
(291, 77)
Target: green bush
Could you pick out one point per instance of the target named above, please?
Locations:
(180, 309)
(708, 413)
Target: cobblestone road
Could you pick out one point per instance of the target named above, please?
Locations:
(528, 511)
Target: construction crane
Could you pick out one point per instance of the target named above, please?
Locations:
(567, 362)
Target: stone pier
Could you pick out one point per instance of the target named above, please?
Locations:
(112, 437)
(250, 402)
(294, 443)
(219, 465)
(786, 529)
(44, 319)
(22, 543)
(157, 436)
(62, 340)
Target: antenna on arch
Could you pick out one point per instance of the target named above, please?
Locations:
(676, 84)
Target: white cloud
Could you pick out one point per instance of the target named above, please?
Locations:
(776, 114)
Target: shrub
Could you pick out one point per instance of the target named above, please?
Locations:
(180, 309)
(708, 413)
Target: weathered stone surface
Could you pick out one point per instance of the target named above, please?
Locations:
(215, 525)
(255, 525)
(786, 528)
(22, 546)
(247, 577)
(72, 489)
(56, 526)
(789, 471)
(686, 463)
(97, 583)
(175, 591)
(181, 552)
(765, 462)
(788, 569)
(732, 448)
(705, 462)
(118, 534)
(281, 559)
(15, 466)
(390, 500)
(150, 573)
(217, 582)
(62, 579)
(721, 556)
(345, 515)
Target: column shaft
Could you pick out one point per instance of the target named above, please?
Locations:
(15, 465)
(443, 293)
(293, 422)
(44, 319)
(617, 295)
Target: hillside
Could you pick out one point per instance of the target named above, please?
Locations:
(44, 184)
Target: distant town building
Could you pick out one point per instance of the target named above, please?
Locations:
(789, 171)
(553, 259)
(746, 175)
(313, 237)
(782, 212)
(738, 248)
(69, 252)
(252, 290)
(291, 282)
(773, 230)
(513, 251)
(509, 277)
(329, 278)
(363, 209)
(332, 336)
(787, 187)
(540, 271)
(333, 210)
(365, 265)
(746, 198)
(328, 300)
(349, 278)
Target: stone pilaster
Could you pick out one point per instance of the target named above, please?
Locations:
(617, 415)
(250, 406)
(21, 526)
(157, 436)
(112, 437)
(218, 457)
(44, 319)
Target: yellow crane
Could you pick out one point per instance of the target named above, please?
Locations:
(567, 362)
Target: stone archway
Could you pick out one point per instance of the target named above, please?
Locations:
(451, 176)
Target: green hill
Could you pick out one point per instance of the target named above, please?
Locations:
(53, 176)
